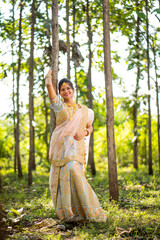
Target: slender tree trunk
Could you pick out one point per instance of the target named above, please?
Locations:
(90, 97)
(46, 129)
(68, 39)
(48, 33)
(46, 119)
(44, 92)
(31, 165)
(135, 107)
(149, 96)
(0, 183)
(157, 103)
(112, 165)
(158, 122)
(18, 159)
(75, 69)
(55, 52)
(13, 80)
(145, 143)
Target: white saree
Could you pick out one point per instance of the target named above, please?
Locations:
(73, 197)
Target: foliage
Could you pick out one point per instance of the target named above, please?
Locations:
(6, 140)
(124, 137)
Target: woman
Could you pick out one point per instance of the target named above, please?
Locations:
(73, 197)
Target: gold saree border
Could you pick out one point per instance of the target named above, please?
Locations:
(60, 163)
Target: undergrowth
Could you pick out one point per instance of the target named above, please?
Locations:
(135, 216)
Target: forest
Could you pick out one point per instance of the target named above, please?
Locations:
(110, 50)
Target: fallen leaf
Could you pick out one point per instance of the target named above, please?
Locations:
(49, 222)
(122, 231)
(61, 227)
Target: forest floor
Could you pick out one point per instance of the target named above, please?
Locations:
(28, 213)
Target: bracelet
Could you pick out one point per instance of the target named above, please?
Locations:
(88, 131)
(48, 76)
(52, 99)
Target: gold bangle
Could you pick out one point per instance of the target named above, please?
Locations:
(88, 131)
(48, 76)
(52, 99)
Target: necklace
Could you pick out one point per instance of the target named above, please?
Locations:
(71, 104)
(71, 108)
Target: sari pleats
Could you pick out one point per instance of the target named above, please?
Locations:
(76, 199)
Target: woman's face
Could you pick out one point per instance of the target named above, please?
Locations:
(66, 92)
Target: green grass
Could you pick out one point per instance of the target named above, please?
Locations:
(136, 216)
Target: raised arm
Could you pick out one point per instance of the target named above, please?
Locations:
(49, 85)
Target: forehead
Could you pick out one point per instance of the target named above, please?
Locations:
(65, 85)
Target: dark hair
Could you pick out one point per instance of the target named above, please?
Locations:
(66, 80)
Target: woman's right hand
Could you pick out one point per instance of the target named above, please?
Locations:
(49, 85)
(48, 78)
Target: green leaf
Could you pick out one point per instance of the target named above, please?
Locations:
(157, 10)
(141, 15)
(46, 25)
(130, 66)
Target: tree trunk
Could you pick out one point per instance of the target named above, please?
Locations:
(145, 143)
(48, 33)
(55, 52)
(68, 39)
(0, 183)
(135, 107)
(90, 97)
(44, 92)
(13, 87)
(157, 103)
(31, 165)
(75, 69)
(149, 97)
(46, 119)
(18, 160)
(112, 165)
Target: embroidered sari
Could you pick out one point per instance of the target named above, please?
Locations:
(73, 197)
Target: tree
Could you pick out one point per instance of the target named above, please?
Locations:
(0, 183)
(47, 33)
(43, 84)
(149, 96)
(31, 165)
(74, 34)
(18, 159)
(157, 98)
(13, 75)
(112, 165)
(46, 119)
(68, 39)
(55, 52)
(89, 78)
(135, 107)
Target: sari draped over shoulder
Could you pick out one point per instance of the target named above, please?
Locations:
(72, 196)
(63, 147)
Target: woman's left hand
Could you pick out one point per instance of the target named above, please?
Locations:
(79, 135)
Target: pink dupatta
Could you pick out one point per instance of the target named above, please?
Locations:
(68, 128)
